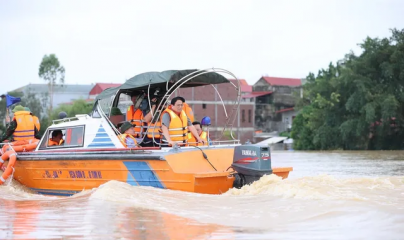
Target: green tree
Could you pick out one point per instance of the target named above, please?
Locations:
(52, 72)
(79, 106)
(29, 99)
(357, 103)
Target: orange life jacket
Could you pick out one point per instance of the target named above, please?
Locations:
(178, 128)
(136, 117)
(36, 122)
(193, 142)
(123, 139)
(154, 129)
(54, 143)
(25, 126)
(188, 111)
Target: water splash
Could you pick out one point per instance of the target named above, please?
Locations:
(326, 187)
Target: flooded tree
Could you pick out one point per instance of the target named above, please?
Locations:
(357, 103)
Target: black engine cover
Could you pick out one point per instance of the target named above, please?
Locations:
(251, 162)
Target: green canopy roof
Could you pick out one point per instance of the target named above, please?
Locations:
(160, 79)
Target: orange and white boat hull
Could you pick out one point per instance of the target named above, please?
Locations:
(64, 174)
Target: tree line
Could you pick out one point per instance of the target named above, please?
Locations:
(52, 72)
(357, 103)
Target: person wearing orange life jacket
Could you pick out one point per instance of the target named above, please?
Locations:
(57, 138)
(22, 126)
(152, 123)
(175, 124)
(135, 114)
(36, 120)
(153, 132)
(202, 134)
(127, 137)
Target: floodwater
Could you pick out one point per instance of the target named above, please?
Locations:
(329, 195)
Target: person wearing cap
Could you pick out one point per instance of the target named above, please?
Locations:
(202, 134)
(175, 124)
(22, 127)
(127, 138)
(36, 120)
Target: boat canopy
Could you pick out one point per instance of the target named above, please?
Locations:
(166, 79)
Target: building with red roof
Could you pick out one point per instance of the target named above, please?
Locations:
(99, 87)
(275, 99)
(244, 86)
(277, 81)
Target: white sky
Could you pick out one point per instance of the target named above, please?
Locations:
(111, 41)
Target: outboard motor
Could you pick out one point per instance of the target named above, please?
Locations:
(251, 163)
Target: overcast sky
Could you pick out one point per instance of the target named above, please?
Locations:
(111, 41)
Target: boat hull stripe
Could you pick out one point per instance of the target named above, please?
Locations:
(131, 180)
(143, 174)
(101, 135)
(101, 140)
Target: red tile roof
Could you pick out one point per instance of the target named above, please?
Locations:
(275, 81)
(242, 82)
(99, 87)
(243, 85)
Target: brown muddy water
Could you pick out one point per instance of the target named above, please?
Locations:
(329, 195)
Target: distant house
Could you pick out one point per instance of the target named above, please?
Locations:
(61, 93)
(275, 99)
(99, 87)
(244, 87)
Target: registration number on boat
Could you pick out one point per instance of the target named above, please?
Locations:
(73, 174)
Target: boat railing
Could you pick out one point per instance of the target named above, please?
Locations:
(226, 142)
(223, 142)
(230, 118)
(230, 115)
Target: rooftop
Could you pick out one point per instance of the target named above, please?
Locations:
(276, 81)
(99, 87)
(243, 85)
(242, 81)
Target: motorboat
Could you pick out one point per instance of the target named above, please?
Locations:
(93, 154)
